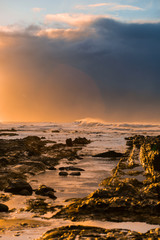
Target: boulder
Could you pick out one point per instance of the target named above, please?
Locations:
(19, 187)
(3, 208)
(109, 154)
(71, 168)
(69, 142)
(75, 174)
(81, 141)
(63, 173)
(39, 206)
(4, 162)
(43, 190)
(51, 168)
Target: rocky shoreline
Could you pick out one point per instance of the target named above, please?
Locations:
(132, 193)
(94, 233)
(32, 155)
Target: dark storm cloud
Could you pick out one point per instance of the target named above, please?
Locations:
(114, 64)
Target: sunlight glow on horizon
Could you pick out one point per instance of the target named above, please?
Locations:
(62, 62)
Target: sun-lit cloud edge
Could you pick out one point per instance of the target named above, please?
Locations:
(79, 26)
(68, 34)
(75, 19)
(123, 56)
(111, 6)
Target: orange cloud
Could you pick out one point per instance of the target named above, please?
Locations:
(93, 5)
(65, 33)
(76, 19)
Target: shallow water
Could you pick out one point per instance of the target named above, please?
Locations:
(104, 137)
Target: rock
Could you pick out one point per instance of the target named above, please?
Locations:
(33, 145)
(151, 191)
(32, 167)
(8, 134)
(24, 192)
(8, 130)
(89, 232)
(19, 187)
(55, 131)
(69, 142)
(81, 141)
(75, 174)
(4, 162)
(109, 154)
(71, 168)
(4, 197)
(45, 191)
(63, 173)
(39, 206)
(3, 208)
(43, 138)
(52, 168)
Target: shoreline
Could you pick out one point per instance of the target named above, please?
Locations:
(32, 155)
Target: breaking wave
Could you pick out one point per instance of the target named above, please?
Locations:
(91, 122)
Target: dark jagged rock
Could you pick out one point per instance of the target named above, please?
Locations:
(4, 197)
(81, 141)
(8, 134)
(87, 232)
(136, 140)
(30, 155)
(109, 154)
(52, 168)
(32, 167)
(75, 174)
(71, 168)
(31, 145)
(123, 198)
(45, 191)
(150, 155)
(3, 208)
(55, 131)
(69, 142)
(39, 206)
(34, 145)
(63, 174)
(4, 162)
(19, 187)
(8, 130)
(77, 141)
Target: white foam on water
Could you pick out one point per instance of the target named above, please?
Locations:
(104, 136)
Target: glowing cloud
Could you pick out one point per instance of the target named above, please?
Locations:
(76, 19)
(111, 6)
(70, 34)
(126, 7)
(93, 5)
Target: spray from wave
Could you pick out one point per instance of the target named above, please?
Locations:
(95, 122)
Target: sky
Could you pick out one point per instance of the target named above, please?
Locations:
(75, 59)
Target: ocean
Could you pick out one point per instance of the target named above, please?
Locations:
(104, 136)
